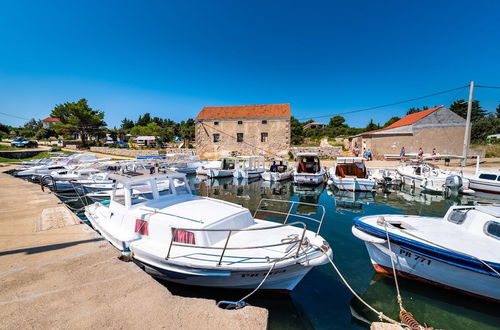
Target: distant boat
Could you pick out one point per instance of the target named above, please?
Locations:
(484, 180)
(350, 173)
(459, 251)
(279, 170)
(308, 170)
(249, 167)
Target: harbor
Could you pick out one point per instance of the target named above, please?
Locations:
(57, 272)
(239, 165)
(56, 244)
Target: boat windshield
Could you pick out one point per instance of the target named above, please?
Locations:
(308, 165)
(140, 193)
(181, 187)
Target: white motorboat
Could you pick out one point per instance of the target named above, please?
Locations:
(249, 167)
(277, 171)
(350, 173)
(69, 162)
(308, 170)
(484, 180)
(385, 177)
(458, 251)
(218, 169)
(203, 241)
(429, 178)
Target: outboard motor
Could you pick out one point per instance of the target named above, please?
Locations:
(387, 175)
(454, 182)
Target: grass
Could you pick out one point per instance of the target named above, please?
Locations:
(491, 150)
(7, 147)
(44, 154)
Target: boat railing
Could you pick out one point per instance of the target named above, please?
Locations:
(289, 213)
(286, 241)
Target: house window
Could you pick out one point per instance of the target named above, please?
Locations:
(240, 122)
(264, 122)
(216, 138)
(263, 137)
(239, 137)
(216, 123)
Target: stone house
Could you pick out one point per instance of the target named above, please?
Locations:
(437, 128)
(49, 122)
(244, 130)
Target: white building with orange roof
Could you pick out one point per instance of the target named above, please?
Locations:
(244, 130)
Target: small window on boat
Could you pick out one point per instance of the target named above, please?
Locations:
(141, 227)
(140, 193)
(493, 229)
(181, 186)
(487, 176)
(457, 217)
(184, 236)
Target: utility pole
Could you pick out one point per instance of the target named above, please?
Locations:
(467, 124)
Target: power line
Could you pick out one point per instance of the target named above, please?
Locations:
(389, 104)
(14, 116)
(480, 86)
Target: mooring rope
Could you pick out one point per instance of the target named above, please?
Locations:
(380, 315)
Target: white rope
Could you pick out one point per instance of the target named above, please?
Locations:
(400, 300)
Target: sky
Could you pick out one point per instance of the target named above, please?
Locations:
(171, 58)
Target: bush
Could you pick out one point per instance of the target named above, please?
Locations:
(55, 149)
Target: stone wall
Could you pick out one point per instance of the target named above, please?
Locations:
(277, 144)
(324, 152)
(141, 152)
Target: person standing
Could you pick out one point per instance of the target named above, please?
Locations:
(420, 153)
(402, 153)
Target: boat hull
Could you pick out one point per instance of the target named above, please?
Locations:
(487, 186)
(312, 179)
(276, 176)
(214, 172)
(416, 266)
(242, 174)
(282, 279)
(351, 184)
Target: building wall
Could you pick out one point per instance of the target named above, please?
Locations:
(448, 140)
(278, 140)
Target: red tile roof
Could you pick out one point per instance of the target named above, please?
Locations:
(245, 111)
(407, 120)
(51, 120)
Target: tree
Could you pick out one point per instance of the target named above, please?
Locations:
(391, 121)
(127, 124)
(151, 129)
(415, 110)
(460, 108)
(337, 121)
(143, 120)
(296, 130)
(483, 127)
(372, 126)
(79, 117)
(498, 111)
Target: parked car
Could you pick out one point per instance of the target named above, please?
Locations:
(22, 142)
(121, 144)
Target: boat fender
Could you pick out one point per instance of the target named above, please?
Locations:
(330, 181)
(366, 237)
(126, 255)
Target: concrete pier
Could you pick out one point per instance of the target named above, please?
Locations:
(58, 273)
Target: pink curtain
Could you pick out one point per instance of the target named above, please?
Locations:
(141, 227)
(184, 236)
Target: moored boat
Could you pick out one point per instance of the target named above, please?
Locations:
(308, 170)
(277, 171)
(458, 251)
(202, 241)
(249, 167)
(350, 173)
(218, 169)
